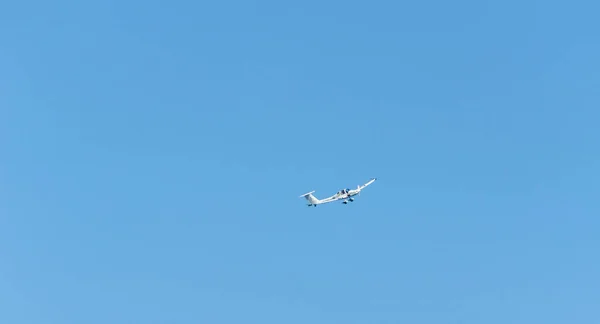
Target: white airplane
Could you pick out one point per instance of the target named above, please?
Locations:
(314, 201)
(347, 194)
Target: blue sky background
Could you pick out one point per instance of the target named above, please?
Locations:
(153, 154)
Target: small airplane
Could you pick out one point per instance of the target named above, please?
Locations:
(314, 201)
(347, 194)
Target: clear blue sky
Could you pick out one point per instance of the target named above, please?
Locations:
(153, 154)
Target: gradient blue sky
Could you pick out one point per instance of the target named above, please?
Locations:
(153, 153)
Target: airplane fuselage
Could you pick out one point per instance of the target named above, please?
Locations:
(353, 193)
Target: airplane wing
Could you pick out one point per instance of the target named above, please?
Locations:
(366, 184)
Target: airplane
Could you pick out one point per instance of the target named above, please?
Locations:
(314, 201)
(347, 194)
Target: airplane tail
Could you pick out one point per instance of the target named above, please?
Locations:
(309, 196)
